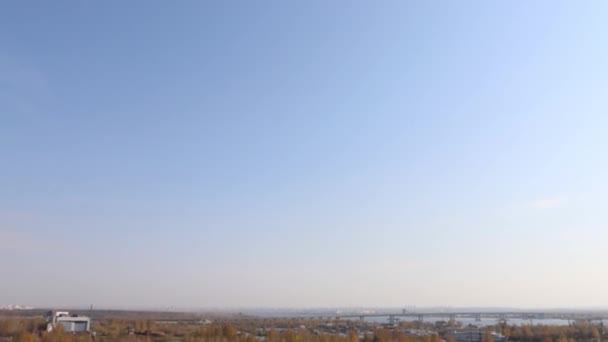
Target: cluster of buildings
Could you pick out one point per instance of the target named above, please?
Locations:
(476, 335)
(15, 307)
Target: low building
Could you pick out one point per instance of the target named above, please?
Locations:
(70, 323)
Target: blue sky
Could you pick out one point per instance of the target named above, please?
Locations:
(385, 153)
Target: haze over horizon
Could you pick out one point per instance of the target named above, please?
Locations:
(303, 154)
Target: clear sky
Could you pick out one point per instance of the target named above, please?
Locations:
(303, 153)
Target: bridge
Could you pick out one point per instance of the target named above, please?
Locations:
(498, 315)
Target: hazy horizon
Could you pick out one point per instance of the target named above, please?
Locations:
(310, 309)
(289, 154)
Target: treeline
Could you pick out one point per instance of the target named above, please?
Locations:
(11, 327)
(150, 331)
(582, 331)
(251, 330)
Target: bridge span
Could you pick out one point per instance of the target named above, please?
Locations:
(498, 315)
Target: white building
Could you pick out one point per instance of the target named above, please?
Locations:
(70, 323)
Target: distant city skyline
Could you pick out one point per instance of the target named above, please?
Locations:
(303, 154)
